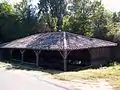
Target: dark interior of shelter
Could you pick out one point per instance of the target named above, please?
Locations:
(52, 59)
(29, 56)
(6, 54)
(79, 58)
(16, 54)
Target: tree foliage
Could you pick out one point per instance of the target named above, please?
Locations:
(54, 9)
(7, 21)
(18, 21)
(99, 19)
(84, 17)
(26, 15)
(87, 17)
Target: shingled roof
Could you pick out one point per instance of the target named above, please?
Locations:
(57, 41)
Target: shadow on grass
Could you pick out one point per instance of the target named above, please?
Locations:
(30, 67)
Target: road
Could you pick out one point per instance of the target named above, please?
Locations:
(12, 80)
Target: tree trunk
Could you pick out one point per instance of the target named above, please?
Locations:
(59, 23)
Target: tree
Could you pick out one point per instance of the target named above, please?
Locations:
(88, 18)
(80, 19)
(114, 27)
(17, 22)
(5, 8)
(55, 9)
(27, 17)
(99, 19)
(115, 17)
(7, 20)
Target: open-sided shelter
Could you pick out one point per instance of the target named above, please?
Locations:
(59, 49)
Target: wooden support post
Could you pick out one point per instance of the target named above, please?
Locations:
(90, 53)
(22, 55)
(11, 50)
(65, 60)
(37, 52)
(65, 51)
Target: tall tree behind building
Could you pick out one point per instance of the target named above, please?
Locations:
(53, 9)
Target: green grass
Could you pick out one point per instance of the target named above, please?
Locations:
(111, 74)
(105, 72)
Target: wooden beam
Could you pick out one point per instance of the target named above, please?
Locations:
(65, 60)
(22, 55)
(65, 51)
(64, 55)
(37, 52)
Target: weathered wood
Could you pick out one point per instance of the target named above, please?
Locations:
(56, 40)
(22, 55)
(65, 60)
(11, 50)
(65, 51)
(100, 56)
(37, 52)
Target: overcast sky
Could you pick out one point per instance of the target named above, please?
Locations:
(112, 5)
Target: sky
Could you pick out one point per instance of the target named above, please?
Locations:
(112, 5)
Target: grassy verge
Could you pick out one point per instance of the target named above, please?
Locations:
(111, 74)
(106, 72)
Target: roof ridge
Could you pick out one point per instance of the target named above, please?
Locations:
(64, 41)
